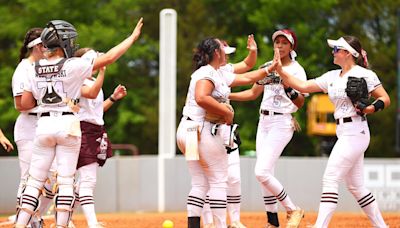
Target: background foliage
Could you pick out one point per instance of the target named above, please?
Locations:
(102, 24)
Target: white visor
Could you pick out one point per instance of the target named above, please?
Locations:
(229, 50)
(342, 44)
(34, 42)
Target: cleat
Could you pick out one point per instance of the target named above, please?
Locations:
(237, 224)
(12, 218)
(19, 226)
(71, 224)
(294, 218)
(37, 223)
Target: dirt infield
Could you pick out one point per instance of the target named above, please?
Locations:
(251, 220)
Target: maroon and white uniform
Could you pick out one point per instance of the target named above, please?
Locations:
(53, 83)
(210, 172)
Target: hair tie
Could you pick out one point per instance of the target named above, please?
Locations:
(293, 55)
(365, 58)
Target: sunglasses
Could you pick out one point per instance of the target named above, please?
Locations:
(336, 49)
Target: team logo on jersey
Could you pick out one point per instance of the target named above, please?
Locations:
(51, 97)
(50, 71)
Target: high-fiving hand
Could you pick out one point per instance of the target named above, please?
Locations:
(136, 32)
(119, 92)
(251, 43)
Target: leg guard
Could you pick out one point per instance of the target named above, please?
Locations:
(28, 206)
(63, 209)
(64, 200)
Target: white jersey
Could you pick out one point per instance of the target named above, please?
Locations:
(275, 98)
(92, 109)
(25, 124)
(54, 84)
(221, 80)
(20, 77)
(228, 70)
(335, 85)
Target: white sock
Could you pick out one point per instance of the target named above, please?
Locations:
(87, 204)
(370, 207)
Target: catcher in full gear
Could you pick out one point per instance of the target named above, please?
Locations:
(58, 132)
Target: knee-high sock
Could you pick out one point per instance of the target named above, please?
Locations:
(206, 214)
(233, 201)
(87, 203)
(218, 206)
(370, 207)
(327, 206)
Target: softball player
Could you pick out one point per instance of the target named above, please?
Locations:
(31, 51)
(56, 87)
(208, 89)
(234, 182)
(276, 127)
(347, 156)
(95, 145)
(7, 145)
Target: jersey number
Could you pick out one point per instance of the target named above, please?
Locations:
(53, 92)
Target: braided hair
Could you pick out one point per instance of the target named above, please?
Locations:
(32, 34)
(204, 53)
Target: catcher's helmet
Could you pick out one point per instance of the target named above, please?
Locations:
(59, 33)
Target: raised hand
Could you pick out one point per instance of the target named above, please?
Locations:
(119, 92)
(251, 43)
(136, 32)
(277, 63)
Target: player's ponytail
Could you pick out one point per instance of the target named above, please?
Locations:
(355, 43)
(32, 34)
(204, 53)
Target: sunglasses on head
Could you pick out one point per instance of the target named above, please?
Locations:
(337, 48)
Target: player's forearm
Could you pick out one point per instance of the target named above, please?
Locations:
(299, 101)
(211, 105)
(27, 101)
(249, 77)
(247, 95)
(93, 91)
(114, 53)
(251, 59)
(107, 104)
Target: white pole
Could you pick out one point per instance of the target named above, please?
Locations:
(167, 97)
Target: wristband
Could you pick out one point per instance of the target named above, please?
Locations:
(112, 99)
(291, 93)
(378, 105)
